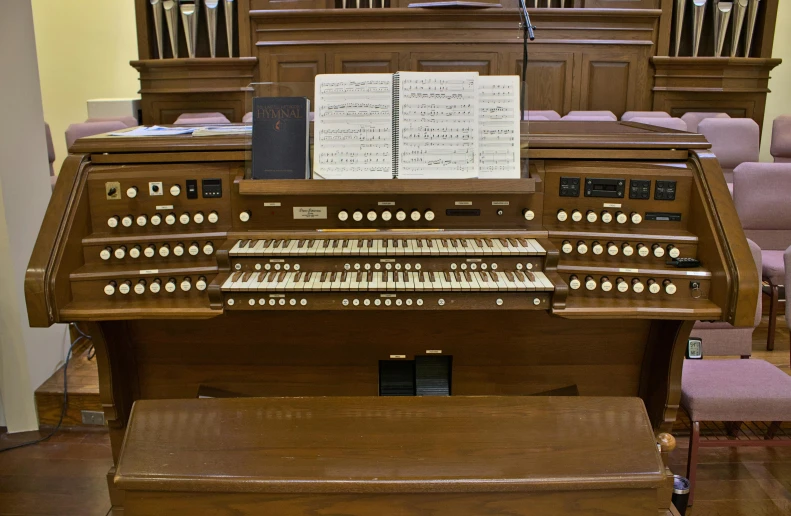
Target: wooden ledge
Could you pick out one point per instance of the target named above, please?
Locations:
(384, 187)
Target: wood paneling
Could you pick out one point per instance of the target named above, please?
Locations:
(363, 62)
(605, 86)
(483, 63)
(550, 79)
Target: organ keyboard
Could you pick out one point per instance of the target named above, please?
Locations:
(189, 276)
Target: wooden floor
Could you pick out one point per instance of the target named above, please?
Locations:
(67, 474)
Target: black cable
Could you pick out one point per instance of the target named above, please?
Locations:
(65, 394)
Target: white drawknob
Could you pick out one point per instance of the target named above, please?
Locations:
(673, 251)
(184, 218)
(175, 190)
(575, 283)
(597, 249)
(636, 218)
(612, 249)
(592, 217)
(606, 285)
(357, 216)
(372, 215)
(343, 215)
(245, 216)
(106, 253)
(659, 251)
(401, 215)
(606, 217)
(140, 288)
(120, 253)
(576, 215)
(582, 248)
(562, 216)
(112, 222)
(164, 251)
(125, 288)
(429, 215)
(201, 284)
(142, 220)
(127, 221)
(213, 217)
(670, 288)
(627, 250)
(178, 250)
(386, 215)
(567, 248)
(109, 289)
(194, 249)
(208, 248)
(150, 251)
(170, 219)
(590, 283)
(642, 250)
(621, 218)
(156, 219)
(170, 286)
(622, 285)
(154, 287)
(654, 288)
(415, 215)
(135, 252)
(131, 192)
(638, 286)
(186, 285)
(528, 214)
(198, 218)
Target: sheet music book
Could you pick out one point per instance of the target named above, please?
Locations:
(422, 125)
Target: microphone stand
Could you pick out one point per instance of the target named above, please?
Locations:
(527, 33)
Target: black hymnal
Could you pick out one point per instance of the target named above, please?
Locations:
(281, 145)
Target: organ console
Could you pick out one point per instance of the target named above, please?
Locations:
(189, 276)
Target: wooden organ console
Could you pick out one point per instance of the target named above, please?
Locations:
(192, 279)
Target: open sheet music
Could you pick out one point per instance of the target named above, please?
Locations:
(423, 125)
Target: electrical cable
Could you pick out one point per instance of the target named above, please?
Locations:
(65, 405)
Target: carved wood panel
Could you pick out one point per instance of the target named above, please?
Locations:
(485, 63)
(550, 79)
(298, 69)
(365, 62)
(606, 85)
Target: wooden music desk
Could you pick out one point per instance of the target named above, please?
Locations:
(456, 456)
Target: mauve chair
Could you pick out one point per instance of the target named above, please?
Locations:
(608, 114)
(781, 139)
(547, 113)
(50, 155)
(733, 140)
(587, 118)
(247, 118)
(732, 391)
(76, 131)
(128, 121)
(693, 119)
(762, 196)
(630, 115)
(787, 259)
(536, 118)
(667, 123)
(201, 119)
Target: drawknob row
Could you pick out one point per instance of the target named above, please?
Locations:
(156, 219)
(623, 285)
(154, 286)
(386, 215)
(151, 250)
(605, 216)
(613, 249)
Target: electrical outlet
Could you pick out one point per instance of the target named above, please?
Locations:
(155, 188)
(113, 190)
(92, 417)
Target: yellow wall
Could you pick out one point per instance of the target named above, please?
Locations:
(779, 101)
(84, 48)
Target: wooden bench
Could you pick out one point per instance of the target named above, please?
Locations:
(459, 456)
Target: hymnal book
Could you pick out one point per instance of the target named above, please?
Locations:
(416, 125)
(281, 138)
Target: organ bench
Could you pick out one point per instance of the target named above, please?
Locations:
(192, 278)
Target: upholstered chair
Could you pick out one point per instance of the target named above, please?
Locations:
(547, 113)
(733, 140)
(762, 195)
(128, 121)
(667, 123)
(587, 118)
(732, 391)
(781, 139)
(629, 115)
(201, 119)
(693, 119)
(247, 118)
(76, 131)
(608, 114)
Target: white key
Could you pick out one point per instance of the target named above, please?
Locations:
(337, 281)
(499, 247)
(251, 282)
(302, 248)
(310, 284)
(346, 283)
(228, 282)
(299, 281)
(499, 281)
(502, 278)
(454, 281)
(541, 277)
(436, 283)
(539, 249)
(463, 283)
(411, 247)
(409, 280)
(269, 248)
(390, 280)
(273, 280)
(529, 285)
(424, 249)
(287, 283)
(236, 247)
(364, 281)
(443, 249)
(399, 281)
(517, 281)
(263, 281)
(511, 247)
(240, 280)
(354, 283)
(424, 283)
(487, 249)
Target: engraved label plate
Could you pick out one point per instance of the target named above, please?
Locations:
(277, 295)
(310, 212)
(165, 207)
(463, 203)
(697, 273)
(474, 260)
(387, 295)
(387, 260)
(276, 260)
(433, 351)
(611, 205)
(501, 203)
(397, 356)
(386, 203)
(630, 271)
(272, 204)
(149, 271)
